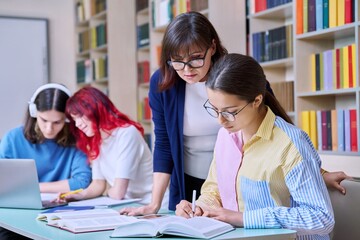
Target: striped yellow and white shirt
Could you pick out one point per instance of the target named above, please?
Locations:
(279, 184)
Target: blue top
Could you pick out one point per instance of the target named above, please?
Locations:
(168, 116)
(53, 162)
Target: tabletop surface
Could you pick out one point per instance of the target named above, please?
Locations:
(23, 221)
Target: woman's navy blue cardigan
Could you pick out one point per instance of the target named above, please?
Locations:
(168, 115)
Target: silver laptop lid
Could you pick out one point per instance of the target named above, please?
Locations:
(19, 185)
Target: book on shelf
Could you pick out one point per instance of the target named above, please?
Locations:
(156, 225)
(103, 201)
(347, 130)
(353, 131)
(313, 129)
(299, 17)
(340, 130)
(143, 70)
(319, 129)
(334, 130)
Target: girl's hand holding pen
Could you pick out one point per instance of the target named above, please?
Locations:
(70, 196)
(184, 209)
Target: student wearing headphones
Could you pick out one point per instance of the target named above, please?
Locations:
(45, 137)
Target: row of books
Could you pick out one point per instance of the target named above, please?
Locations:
(144, 111)
(334, 69)
(143, 38)
(143, 72)
(273, 44)
(314, 15)
(190, 5)
(92, 38)
(98, 35)
(332, 130)
(284, 92)
(163, 11)
(90, 70)
(87, 8)
(261, 5)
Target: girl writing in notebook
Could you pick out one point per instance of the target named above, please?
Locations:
(265, 172)
(184, 134)
(114, 144)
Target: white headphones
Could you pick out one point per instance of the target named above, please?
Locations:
(32, 105)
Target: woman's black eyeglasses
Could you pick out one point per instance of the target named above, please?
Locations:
(193, 63)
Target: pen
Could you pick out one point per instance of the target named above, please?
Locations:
(193, 203)
(71, 192)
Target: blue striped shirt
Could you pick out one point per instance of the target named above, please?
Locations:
(279, 184)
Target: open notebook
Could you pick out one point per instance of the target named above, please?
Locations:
(19, 186)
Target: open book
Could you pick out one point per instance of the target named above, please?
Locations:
(50, 216)
(85, 220)
(156, 225)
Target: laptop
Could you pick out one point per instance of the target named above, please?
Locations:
(19, 185)
(346, 211)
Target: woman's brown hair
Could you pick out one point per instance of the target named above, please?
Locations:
(191, 29)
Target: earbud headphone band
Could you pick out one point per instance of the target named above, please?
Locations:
(32, 105)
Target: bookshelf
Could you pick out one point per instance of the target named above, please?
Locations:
(321, 92)
(271, 44)
(324, 71)
(143, 67)
(106, 50)
(92, 58)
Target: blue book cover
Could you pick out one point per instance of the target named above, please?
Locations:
(347, 130)
(327, 71)
(319, 15)
(341, 132)
(67, 209)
